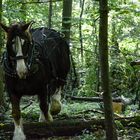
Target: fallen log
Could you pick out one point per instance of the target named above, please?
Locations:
(122, 99)
(57, 128)
(64, 127)
(91, 99)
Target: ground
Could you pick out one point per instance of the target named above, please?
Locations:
(73, 110)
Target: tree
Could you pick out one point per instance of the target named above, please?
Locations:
(0, 21)
(103, 50)
(50, 15)
(1, 79)
(80, 27)
(23, 10)
(66, 18)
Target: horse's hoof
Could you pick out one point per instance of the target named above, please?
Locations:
(55, 107)
(49, 118)
(42, 117)
(19, 134)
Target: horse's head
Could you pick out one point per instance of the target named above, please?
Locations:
(19, 43)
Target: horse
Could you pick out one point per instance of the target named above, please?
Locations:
(35, 62)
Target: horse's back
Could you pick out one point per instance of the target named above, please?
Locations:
(53, 49)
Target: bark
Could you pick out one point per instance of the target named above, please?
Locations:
(50, 14)
(23, 10)
(70, 127)
(66, 18)
(111, 133)
(2, 102)
(80, 27)
(0, 21)
(1, 71)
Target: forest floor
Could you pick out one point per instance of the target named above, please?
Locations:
(75, 110)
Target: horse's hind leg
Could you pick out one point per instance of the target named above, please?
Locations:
(56, 102)
(45, 114)
(18, 132)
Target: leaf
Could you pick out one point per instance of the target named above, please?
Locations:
(2, 124)
(119, 124)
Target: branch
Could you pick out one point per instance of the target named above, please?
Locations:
(40, 2)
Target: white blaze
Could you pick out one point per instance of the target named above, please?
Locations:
(21, 67)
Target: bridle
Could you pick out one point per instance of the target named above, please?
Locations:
(15, 58)
(33, 56)
(30, 58)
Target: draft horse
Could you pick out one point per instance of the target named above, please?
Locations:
(36, 62)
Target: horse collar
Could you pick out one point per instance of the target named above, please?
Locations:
(12, 73)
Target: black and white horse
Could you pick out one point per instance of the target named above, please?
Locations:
(36, 62)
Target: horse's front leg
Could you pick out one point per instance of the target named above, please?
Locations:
(45, 114)
(18, 132)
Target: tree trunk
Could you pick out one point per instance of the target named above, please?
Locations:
(80, 27)
(0, 21)
(1, 71)
(50, 15)
(111, 133)
(66, 19)
(23, 10)
(2, 103)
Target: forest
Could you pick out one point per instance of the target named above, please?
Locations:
(101, 98)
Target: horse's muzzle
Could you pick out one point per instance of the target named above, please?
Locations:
(21, 69)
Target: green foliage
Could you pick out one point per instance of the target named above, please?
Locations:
(123, 32)
(124, 47)
(90, 136)
(119, 124)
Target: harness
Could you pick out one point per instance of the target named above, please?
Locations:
(31, 64)
(37, 53)
(7, 69)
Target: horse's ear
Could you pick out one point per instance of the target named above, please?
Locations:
(27, 26)
(4, 27)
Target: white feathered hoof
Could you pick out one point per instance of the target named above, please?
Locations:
(42, 117)
(19, 134)
(48, 117)
(55, 107)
